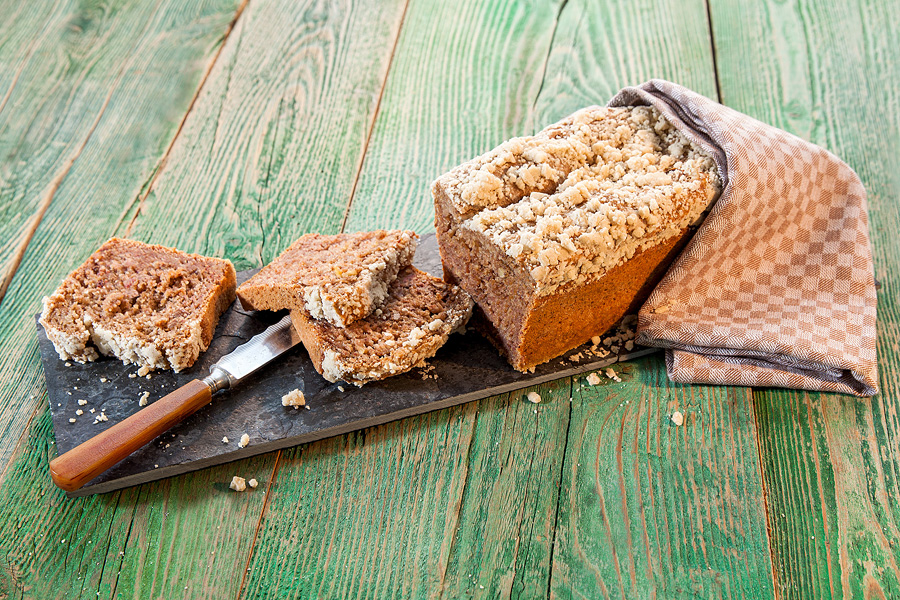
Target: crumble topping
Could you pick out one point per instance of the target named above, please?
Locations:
(584, 195)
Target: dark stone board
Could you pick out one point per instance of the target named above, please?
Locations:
(467, 368)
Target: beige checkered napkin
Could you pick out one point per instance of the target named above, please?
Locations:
(777, 287)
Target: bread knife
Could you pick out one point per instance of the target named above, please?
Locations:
(70, 471)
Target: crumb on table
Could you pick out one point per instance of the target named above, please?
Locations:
(593, 379)
(238, 484)
(533, 397)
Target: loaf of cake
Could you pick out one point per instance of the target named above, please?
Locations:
(557, 236)
(340, 278)
(148, 305)
(415, 320)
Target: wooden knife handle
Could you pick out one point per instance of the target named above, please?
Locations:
(88, 460)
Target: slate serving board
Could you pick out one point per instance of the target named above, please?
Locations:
(467, 368)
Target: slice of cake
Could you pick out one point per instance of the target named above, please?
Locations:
(557, 236)
(340, 278)
(148, 305)
(418, 315)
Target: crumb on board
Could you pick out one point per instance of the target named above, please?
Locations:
(72, 420)
(593, 379)
(253, 483)
(533, 397)
(245, 441)
(294, 398)
(238, 484)
(79, 412)
(225, 440)
(131, 375)
(596, 340)
(103, 380)
(143, 371)
(142, 401)
(100, 418)
(677, 418)
(340, 388)
(82, 402)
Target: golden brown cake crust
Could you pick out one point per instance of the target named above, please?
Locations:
(554, 261)
(148, 305)
(340, 278)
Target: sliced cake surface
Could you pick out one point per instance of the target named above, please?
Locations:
(531, 228)
(415, 320)
(340, 278)
(148, 305)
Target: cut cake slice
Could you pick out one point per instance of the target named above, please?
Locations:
(557, 236)
(148, 305)
(418, 315)
(340, 278)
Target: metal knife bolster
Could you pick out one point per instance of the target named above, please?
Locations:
(250, 356)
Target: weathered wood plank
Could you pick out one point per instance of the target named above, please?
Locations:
(825, 71)
(650, 509)
(322, 59)
(145, 80)
(274, 144)
(469, 104)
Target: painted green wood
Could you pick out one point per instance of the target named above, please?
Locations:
(169, 530)
(124, 78)
(453, 503)
(826, 71)
(273, 146)
(172, 538)
(66, 65)
(649, 509)
(469, 104)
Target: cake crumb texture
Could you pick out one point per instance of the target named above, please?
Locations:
(340, 278)
(148, 305)
(418, 315)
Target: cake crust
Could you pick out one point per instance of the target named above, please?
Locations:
(148, 305)
(553, 261)
(418, 315)
(340, 278)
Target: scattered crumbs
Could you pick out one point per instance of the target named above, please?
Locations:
(72, 420)
(74, 387)
(93, 410)
(131, 376)
(68, 364)
(102, 417)
(426, 370)
(142, 401)
(533, 397)
(103, 380)
(58, 404)
(225, 440)
(149, 376)
(167, 445)
(593, 379)
(294, 398)
(82, 402)
(143, 371)
(69, 393)
(79, 412)
(306, 406)
(610, 372)
(629, 345)
(245, 440)
(596, 340)
(340, 388)
(238, 484)
(677, 418)
(570, 399)
(253, 483)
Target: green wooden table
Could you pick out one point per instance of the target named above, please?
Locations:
(231, 127)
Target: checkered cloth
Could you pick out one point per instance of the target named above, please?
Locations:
(777, 286)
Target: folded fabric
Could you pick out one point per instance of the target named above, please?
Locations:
(777, 286)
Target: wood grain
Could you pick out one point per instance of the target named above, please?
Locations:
(181, 535)
(452, 503)
(129, 129)
(825, 71)
(274, 144)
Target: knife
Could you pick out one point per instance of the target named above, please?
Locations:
(72, 470)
